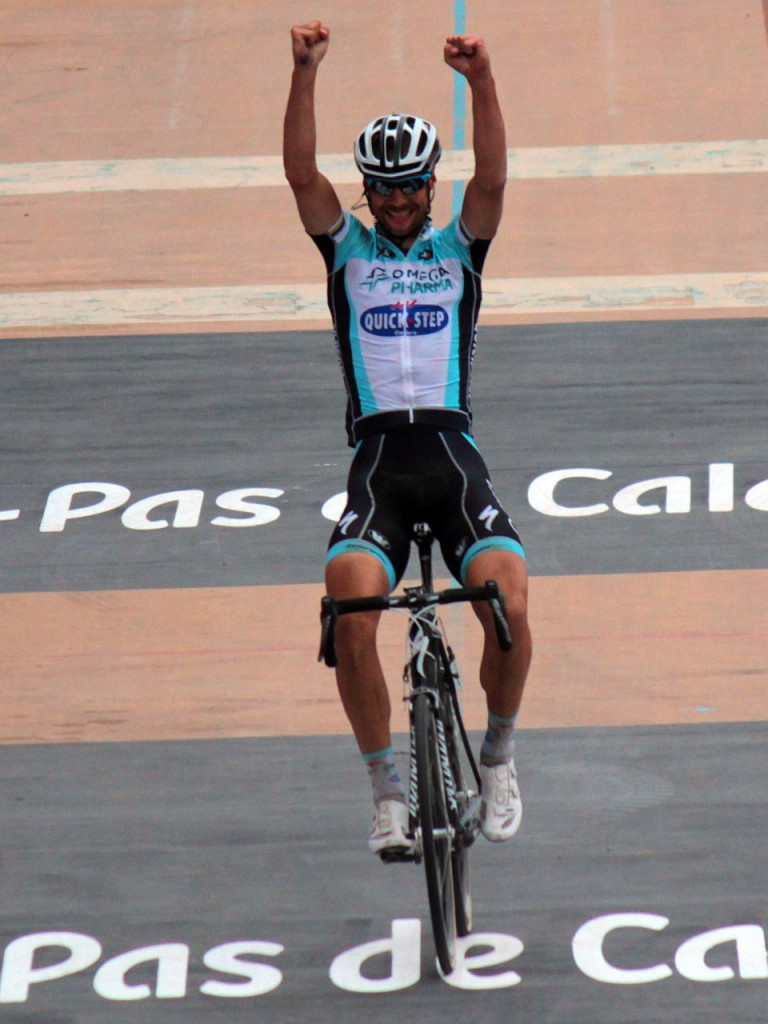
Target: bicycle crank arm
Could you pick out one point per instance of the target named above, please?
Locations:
(469, 822)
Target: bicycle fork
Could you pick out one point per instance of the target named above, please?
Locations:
(445, 771)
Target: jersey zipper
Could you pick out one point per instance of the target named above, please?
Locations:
(406, 363)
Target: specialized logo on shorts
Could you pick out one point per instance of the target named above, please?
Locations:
(346, 521)
(487, 517)
(401, 318)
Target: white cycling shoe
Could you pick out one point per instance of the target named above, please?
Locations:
(389, 831)
(501, 810)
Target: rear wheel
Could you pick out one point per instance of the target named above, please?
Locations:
(436, 833)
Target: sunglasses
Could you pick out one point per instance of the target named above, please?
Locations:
(408, 186)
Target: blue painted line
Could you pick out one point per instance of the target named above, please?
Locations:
(459, 103)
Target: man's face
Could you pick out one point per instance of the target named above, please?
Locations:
(401, 216)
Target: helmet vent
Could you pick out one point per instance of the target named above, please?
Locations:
(397, 145)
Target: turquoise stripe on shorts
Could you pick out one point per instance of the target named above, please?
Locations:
(355, 545)
(489, 544)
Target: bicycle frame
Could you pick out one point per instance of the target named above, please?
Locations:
(432, 670)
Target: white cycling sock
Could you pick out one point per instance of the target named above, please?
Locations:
(382, 771)
(499, 743)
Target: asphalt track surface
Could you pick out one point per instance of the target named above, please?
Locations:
(204, 844)
(183, 812)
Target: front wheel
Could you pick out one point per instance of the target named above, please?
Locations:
(460, 850)
(436, 833)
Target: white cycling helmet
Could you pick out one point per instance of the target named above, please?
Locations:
(396, 146)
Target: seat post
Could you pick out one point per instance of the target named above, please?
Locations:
(424, 540)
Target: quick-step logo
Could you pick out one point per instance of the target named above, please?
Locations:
(403, 318)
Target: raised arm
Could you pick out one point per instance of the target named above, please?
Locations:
(484, 195)
(316, 199)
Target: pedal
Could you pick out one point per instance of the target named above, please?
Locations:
(469, 835)
(398, 855)
(469, 823)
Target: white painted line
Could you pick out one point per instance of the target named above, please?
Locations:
(730, 157)
(9, 515)
(164, 305)
(297, 303)
(610, 294)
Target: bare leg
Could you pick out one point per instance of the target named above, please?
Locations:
(359, 676)
(503, 674)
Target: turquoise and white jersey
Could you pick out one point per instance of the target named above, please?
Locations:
(405, 323)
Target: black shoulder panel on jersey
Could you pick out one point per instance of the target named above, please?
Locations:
(478, 250)
(327, 249)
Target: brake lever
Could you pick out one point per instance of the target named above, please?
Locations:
(328, 616)
(497, 605)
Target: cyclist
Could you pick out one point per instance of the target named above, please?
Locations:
(404, 299)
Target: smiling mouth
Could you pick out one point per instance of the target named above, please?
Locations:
(400, 224)
(400, 216)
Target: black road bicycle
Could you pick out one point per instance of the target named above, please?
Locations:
(444, 789)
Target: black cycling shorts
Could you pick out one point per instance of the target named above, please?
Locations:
(418, 474)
